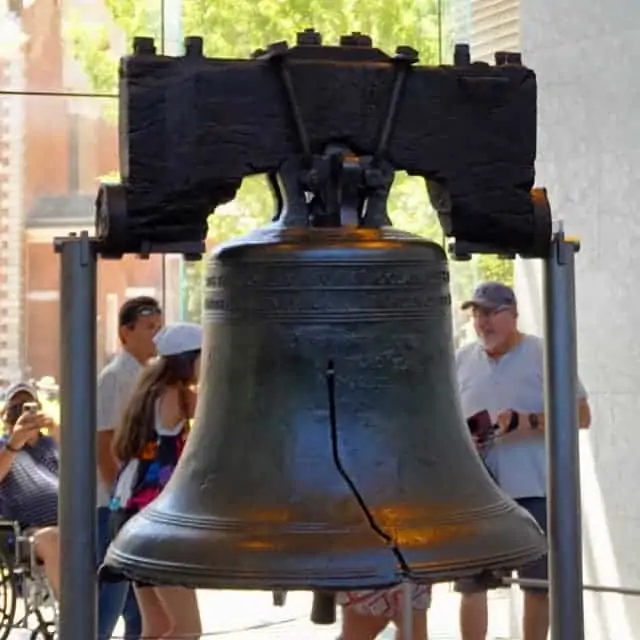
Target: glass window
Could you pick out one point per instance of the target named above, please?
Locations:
(58, 139)
(65, 147)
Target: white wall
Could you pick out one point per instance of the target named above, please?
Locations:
(587, 58)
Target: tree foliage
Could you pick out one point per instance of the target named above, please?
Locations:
(235, 29)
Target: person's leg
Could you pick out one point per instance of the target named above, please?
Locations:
(361, 626)
(474, 617)
(535, 622)
(156, 623)
(132, 616)
(181, 606)
(365, 613)
(535, 619)
(111, 595)
(47, 549)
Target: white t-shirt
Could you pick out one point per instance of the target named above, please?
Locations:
(116, 383)
(516, 382)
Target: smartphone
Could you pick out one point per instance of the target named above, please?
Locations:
(480, 423)
(30, 407)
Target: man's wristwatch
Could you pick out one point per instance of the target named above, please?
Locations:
(534, 421)
(8, 447)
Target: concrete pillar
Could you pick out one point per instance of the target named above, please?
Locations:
(587, 60)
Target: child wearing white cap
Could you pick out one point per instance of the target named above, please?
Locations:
(148, 443)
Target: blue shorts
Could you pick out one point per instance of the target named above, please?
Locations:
(536, 570)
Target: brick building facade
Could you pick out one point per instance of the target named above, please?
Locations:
(117, 280)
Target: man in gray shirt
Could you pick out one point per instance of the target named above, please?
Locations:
(139, 320)
(502, 373)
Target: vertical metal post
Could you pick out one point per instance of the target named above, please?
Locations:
(77, 507)
(407, 610)
(561, 410)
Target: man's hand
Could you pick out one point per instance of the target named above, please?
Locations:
(525, 423)
(26, 428)
(504, 422)
(107, 463)
(510, 421)
(51, 428)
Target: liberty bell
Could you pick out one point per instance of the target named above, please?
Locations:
(329, 449)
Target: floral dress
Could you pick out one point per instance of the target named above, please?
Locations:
(141, 479)
(385, 602)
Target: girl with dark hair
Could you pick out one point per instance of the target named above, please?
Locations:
(148, 443)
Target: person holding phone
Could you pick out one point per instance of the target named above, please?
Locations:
(29, 462)
(501, 384)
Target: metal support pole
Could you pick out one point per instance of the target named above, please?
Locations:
(77, 507)
(407, 610)
(597, 588)
(561, 410)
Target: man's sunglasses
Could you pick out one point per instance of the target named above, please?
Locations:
(142, 312)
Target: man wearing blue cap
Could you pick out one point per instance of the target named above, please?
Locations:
(502, 373)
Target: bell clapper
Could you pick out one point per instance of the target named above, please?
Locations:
(323, 610)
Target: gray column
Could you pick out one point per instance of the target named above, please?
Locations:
(565, 540)
(77, 508)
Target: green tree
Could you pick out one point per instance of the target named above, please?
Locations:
(493, 268)
(235, 29)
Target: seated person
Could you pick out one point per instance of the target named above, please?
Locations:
(29, 477)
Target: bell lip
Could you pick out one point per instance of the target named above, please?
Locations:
(160, 573)
(107, 573)
(129, 555)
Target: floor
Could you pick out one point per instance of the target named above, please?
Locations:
(233, 615)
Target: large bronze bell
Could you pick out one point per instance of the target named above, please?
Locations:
(329, 449)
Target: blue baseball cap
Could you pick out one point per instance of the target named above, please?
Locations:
(492, 296)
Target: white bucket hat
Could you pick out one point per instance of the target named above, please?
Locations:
(180, 337)
(20, 387)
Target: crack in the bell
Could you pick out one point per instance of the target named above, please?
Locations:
(378, 530)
